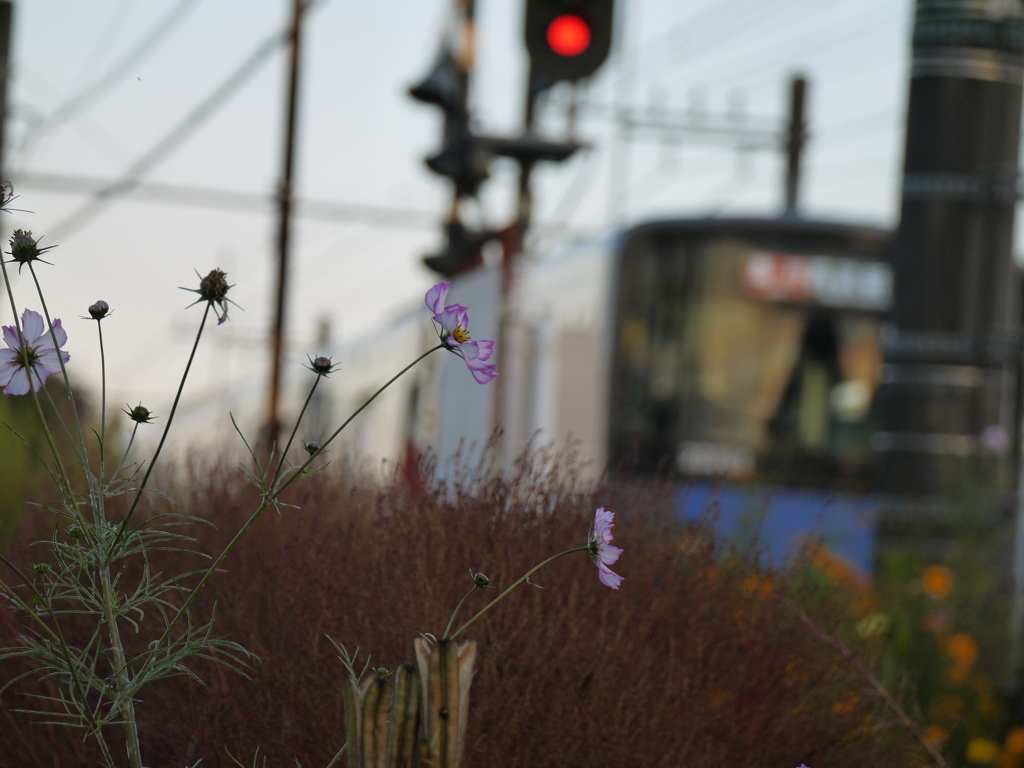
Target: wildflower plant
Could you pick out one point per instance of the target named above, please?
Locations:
(97, 565)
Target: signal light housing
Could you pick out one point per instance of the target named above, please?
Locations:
(568, 39)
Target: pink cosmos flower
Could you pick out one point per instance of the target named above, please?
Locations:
(435, 297)
(30, 361)
(454, 322)
(601, 550)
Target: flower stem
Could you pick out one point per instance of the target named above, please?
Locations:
(456, 612)
(167, 426)
(54, 632)
(210, 571)
(60, 360)
(127, 450)
(65, 485)
(103, 402)
(347, 421)
(271, 495)
(291, 437)
(515, 584)
(131, 730)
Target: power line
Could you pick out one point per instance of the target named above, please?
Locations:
(737, 17)
(146, 47)
(180, 194)
(132, 176)
(811, 38)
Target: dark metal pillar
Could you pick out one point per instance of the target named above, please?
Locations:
(947, 398)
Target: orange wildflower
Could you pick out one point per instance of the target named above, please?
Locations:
(962, 649)
(946, 707)
(937, 581)
(1015, 741)
(846, 705)
(759, 586)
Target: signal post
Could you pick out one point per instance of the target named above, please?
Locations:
(567, 40)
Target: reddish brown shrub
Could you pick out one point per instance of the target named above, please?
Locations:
(695, 661)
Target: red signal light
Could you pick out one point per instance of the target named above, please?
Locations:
(568, 35)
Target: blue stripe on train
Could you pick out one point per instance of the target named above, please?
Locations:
(842, 522)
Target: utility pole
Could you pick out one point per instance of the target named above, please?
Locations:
(284, 196)
(512, 249)
(6, 10)
(796, 138)
(947, 398)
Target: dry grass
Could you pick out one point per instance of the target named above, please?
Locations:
(697, 661)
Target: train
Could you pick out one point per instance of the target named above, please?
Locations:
(739, 356)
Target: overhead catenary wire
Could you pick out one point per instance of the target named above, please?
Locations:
(204, 197)
(736, 16)
(802, 41)
(148, 45)
(216, 100)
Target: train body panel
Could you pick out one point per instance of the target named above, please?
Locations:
(738, 356)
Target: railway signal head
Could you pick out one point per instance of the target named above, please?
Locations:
(444, 86)
(568, 39)
(461, 252)
(461, 157)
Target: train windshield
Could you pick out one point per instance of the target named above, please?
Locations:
(748, 358)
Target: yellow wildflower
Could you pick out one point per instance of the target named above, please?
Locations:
(982, 751)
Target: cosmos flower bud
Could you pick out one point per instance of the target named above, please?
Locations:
(214, 289)
(321, 365)
(480, 580)
(139, 414)
(312, 447)
(40, 567)
(23, 246)
(75, 531)
(99, 310)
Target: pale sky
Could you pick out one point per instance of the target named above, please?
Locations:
(362, 140)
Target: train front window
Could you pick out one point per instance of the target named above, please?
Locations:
(739, 361)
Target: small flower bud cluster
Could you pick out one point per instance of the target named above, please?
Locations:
(214, 287)
(139, 414)
(321, 366)
(25, 248)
